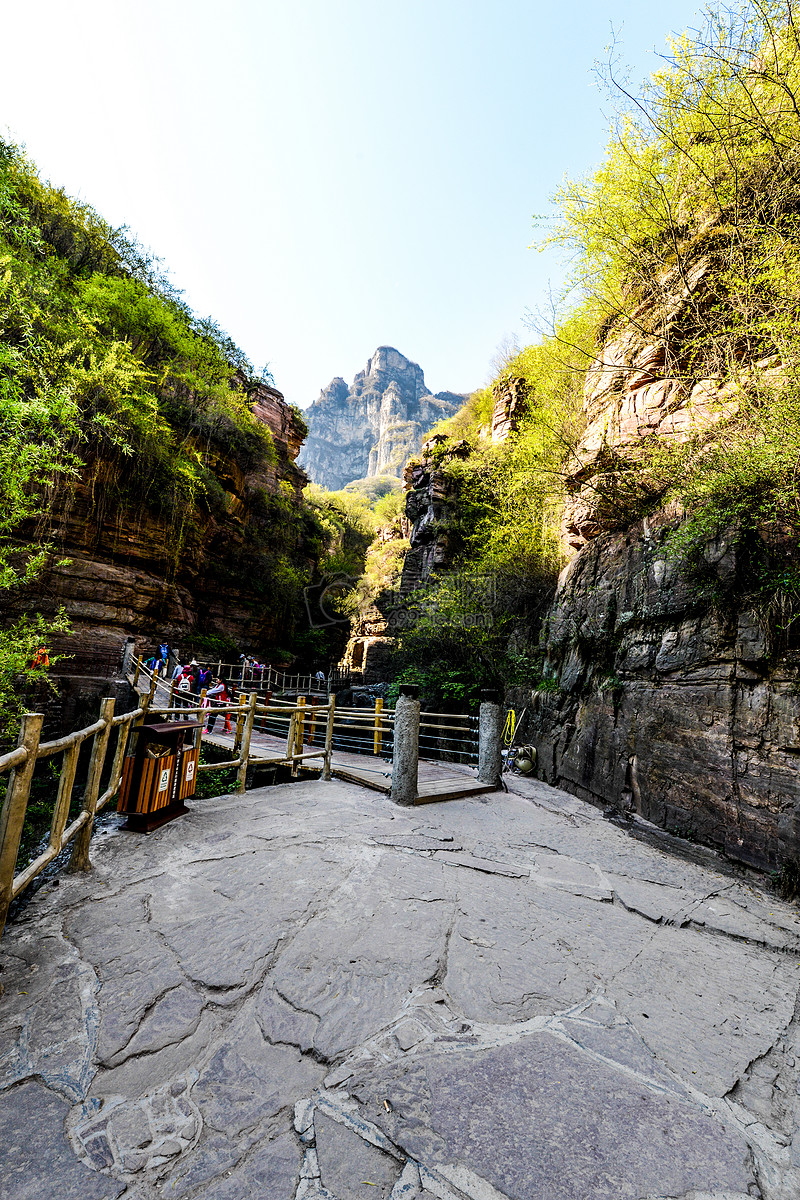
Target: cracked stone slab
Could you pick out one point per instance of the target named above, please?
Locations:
(352, 965)
(127, 1136)
(560, 1124)
(301, 943)
(248, 1080)
(55, 1042)
(349, 1167)
(214, 1156)
(570, 875)
(37, 1155)
(508, 960)
(271, 1170)
(175, 1016)
(707, 1014)
(485, 865)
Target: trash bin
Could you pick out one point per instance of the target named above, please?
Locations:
(159, 773)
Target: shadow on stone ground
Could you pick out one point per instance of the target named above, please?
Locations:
(306, 993)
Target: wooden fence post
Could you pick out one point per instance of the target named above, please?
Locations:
(326, 764)
(290, 739)
(12, 817)
(312, 724)
(299, 732)
(80, 849)
(119, 759)
(171, 700)
(378, 740)
(241, 777)
(65, 785)
(240, 719)
(138, 670)
(265, 716)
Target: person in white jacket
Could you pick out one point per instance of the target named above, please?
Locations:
(218, 694)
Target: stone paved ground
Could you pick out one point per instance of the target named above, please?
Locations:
(308, 994)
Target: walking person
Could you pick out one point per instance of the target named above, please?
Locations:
(185, 688)
(218, 695)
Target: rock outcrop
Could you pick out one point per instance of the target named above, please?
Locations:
(658, 703)
(664, 692)
(371, 427)
(431, 502)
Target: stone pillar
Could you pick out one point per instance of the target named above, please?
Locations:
(127, 655)
(406, 746)
(490, 739)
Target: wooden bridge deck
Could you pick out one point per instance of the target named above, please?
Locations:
(438, 781)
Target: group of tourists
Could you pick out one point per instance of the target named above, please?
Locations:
(194, 684)
(211, 690)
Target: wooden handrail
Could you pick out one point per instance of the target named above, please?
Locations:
(71, 739)
(13, 758)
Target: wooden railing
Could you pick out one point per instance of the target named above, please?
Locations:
(246, 713)
(22, 761)
(29, 750)
(266, 678)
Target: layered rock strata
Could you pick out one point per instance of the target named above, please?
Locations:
(669, 695)
(371, 427)
(117, 575)
(665, 694)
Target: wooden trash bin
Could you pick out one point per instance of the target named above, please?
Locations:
(159, 773)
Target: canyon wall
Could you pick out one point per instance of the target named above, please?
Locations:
(663, 690)
(117, 574)
(659, 703)
(371, 427)
(666, 692)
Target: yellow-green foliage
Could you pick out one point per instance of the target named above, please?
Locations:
(106, 375)
(510, 495)
(474, 413)
(348, 525)
(702, 178)
(687, 236)
(389, 508)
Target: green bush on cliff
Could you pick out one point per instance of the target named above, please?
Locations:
(346, 525)
(104, 363)
(109, 383)
(692, 220)
(687, 237)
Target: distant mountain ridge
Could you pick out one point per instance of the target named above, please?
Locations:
(371, 427)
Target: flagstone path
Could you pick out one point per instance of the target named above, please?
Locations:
(306, 993)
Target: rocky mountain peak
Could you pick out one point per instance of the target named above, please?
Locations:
(371, 427)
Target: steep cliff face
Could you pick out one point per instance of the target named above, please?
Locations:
(432, 503)
(660, 704)
(670, 694)
(371, 427)
(117, 574)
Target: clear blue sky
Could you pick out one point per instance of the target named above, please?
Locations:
(325, 176)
